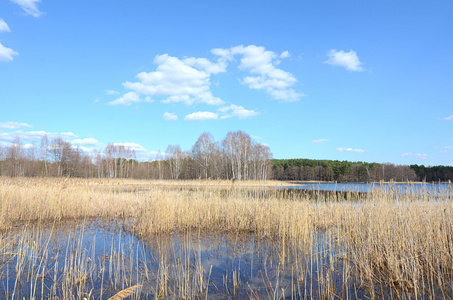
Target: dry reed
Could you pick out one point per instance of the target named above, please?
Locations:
(390, 243)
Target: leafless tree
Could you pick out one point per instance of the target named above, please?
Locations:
(15, 158)
(159, 165)
(244, 158)
(62, 154)
(110, 156)
(44, 153)
(229, 146)
(203, 154)
(261, 162)
(175, 159)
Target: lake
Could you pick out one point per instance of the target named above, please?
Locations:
(367, 187)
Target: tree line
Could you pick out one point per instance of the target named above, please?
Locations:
(237, 156)
(345, 171)
(435, 173)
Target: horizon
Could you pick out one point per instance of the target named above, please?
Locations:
(352, 81)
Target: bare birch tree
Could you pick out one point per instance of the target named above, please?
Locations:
(44, 153)
(174, 158)
(203, 154)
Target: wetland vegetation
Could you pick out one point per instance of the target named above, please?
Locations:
(69, 238)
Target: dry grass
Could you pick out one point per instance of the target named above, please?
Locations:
(389, 243)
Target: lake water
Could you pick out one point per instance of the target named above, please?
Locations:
(367, 187)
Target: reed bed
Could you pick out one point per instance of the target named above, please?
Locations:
(309, 245)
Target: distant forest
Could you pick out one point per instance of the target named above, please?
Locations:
(237, 156)
(345, 171)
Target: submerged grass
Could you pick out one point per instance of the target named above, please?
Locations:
(385, 244)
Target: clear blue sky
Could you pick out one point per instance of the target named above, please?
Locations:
(347, 80)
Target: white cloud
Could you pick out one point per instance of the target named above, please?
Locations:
(206, 65)
(112, 92)
(236, 111)
(285, 54)
(3, 26)
(86, 150)
(170, 116)
(131, 146)
(416, 155)
(29, 7)
(33, 136)
(186, 80)
(129, 98)
(201, 116)
(13, 125)
(256, 137)
(448, 118)
(6, 54)
(86, 141)
(319, 141)
(224, 54)
(350, 150)
(67, 134)
(348, 60)
(261, 62)
(29, 146)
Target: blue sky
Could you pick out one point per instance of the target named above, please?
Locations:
(347, 80)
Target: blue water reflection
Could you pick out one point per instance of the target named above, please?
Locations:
(367, 187)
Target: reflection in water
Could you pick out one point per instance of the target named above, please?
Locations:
(416, 188)
(94, 260)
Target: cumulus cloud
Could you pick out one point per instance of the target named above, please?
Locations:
(170, 116)
(3, 26)
(261, 63)
(130, 98)
(67, 134)
(348, 60)
(85, 142)
(416, 155)
(29, 7)
(236, 111)
(285, 54)
(13, 125)
(319, 141)
(131, 146)
(350, 150)
(201, 116)
(186, 80)
(6, 54)
(112, 92)
(29, 146)
(33, 136)
(206, 65)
